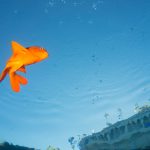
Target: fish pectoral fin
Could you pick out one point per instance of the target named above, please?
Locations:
(14, 82)
(22, 69)
(21, 79)
(17, 48)
(4, 73)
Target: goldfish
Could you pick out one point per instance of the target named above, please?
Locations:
(21, 57)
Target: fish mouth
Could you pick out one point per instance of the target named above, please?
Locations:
(46, 55)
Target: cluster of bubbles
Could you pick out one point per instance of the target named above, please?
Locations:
(96, 99)
(137, 109)
(107, 116)
(94, 5)
(74, 141)
(52, 148)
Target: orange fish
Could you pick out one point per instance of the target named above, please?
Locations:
(20, 58)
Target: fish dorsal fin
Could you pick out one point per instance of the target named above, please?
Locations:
(17, 48)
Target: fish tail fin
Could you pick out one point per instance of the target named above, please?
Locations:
(3, 74)
(14, 83)
(16, 80)
(21, 79)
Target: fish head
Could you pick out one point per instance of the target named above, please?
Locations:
(39, 52)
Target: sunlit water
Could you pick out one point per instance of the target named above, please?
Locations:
(99, 64)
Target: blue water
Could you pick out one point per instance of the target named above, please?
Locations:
(99, 64)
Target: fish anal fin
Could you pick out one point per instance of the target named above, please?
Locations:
(17, 48)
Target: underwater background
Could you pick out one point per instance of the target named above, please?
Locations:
(97, 72)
